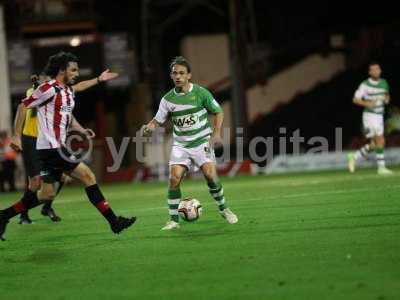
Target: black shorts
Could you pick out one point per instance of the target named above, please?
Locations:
(53, 164)
(30, 156)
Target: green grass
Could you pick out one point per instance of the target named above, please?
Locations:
(319, 236)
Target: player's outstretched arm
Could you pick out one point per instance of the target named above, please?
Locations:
(84, 85)
(18, 126)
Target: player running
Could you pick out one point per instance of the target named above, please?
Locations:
(25, 138)
(188, 105)
(54, 100)
(373, 95)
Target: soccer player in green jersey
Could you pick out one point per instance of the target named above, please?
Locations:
(188, 106)
(373, 95)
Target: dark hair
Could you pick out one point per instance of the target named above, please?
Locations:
(58, 62)
(180, 60)
(373, 63)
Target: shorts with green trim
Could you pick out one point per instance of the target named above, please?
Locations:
(192, 158)
(373, 124)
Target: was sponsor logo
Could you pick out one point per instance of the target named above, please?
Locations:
(186, 121)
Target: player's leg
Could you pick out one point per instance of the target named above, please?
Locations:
(204, 157)
(216, 190)
(380, 155)
(32, 167)
(33, 185)
(179, 164)
(215, 187)
(177, 172)
(369, 124)
(29, 200)
(47, 208)
(361, 153)
(368, 121)
(379, 140)
(83, 173)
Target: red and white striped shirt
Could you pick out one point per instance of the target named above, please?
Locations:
(54, 105)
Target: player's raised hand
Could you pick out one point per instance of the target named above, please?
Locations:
(107, 75)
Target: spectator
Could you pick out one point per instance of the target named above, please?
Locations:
(8, 166)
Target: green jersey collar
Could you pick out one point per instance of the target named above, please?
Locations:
(181, 94)
(374, 82)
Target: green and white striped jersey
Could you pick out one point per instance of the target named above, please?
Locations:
(371, 90)
(189, 114)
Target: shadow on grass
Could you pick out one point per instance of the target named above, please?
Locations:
(238, 231)
(41, 256)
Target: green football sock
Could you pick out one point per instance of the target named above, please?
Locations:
(217, 192)
(174, 197)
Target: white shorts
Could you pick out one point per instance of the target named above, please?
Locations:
(373, 124)
(192, 158)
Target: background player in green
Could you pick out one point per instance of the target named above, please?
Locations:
(188, 105)
(373, 95)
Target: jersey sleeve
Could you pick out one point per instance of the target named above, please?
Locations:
(44, 92)
(360, 92)
(387, 86)
(163, 112)
(210, 103)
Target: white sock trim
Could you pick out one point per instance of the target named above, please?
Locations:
(173, 212)
(174, 201)
(221, 202)
(219, 194)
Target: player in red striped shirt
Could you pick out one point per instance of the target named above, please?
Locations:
(54, 100)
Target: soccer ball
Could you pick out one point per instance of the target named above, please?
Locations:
(190, 209)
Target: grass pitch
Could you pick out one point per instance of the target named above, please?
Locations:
(328, 235)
